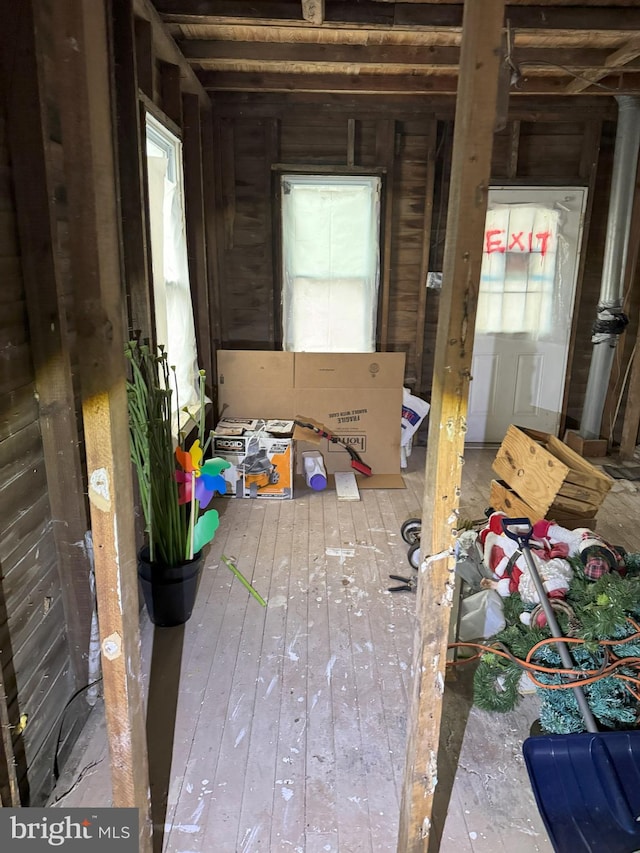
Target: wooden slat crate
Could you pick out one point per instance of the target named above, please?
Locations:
(505, 500)
(551, 478)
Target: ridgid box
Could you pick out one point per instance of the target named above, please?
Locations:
(261, 457)
(357, 396)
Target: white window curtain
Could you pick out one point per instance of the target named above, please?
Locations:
(175, 327)
(330, 250)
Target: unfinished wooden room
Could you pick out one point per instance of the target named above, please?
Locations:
(319, 425)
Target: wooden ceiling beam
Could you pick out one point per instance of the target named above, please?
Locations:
(313, 11)
(334, 35)
(525, 108)
(390, 84)
(585, 16)
(333, 54)
(199, 50)
(618, 59)
(166, 49)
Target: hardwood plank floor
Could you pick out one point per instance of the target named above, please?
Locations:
(290, 719)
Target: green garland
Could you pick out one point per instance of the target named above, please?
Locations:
(601, 609)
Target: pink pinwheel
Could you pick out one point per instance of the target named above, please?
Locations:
(205, 478)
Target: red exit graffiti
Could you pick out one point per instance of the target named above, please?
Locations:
(499, 240)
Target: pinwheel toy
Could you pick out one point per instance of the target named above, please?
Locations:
(198, 482)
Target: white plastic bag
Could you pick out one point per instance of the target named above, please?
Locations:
(481, 616)
(414, 411)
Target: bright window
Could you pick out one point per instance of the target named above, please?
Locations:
(175, 328)
(330, 239)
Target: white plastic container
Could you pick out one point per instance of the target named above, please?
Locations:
(314, 470)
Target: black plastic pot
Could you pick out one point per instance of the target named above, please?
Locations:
(169, 593)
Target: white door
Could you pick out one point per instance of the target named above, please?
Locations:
(525, 304)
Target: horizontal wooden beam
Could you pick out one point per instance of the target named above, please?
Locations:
(313, 11)
(188, 27)
(370, 106)
(185, 27)
(619, 58)
(166, 50)
(406, 55)
(586, 16)
(209, 52)
(304, 79)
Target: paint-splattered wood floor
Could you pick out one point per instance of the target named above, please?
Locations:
(290, 720)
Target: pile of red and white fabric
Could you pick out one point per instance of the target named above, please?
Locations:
(551, 546)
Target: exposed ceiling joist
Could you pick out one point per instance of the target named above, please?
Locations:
(620, 58)
(561, 47)
(313, 11)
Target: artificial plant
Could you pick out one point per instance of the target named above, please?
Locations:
(172, 498)
(606, 622)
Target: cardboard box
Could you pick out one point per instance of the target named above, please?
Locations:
(550, 477)
(261, 457)
(358, 396)
(586, 446)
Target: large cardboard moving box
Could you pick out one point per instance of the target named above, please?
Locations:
(357, 396)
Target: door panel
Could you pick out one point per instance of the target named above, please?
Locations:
(525, 305)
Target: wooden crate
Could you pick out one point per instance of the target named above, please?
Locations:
(506, 500)
(551, 478)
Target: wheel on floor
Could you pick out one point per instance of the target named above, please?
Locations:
(410, 530)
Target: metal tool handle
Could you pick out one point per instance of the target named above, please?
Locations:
(520, 530)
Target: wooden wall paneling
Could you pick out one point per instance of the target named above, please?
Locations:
(144, 58)
(351, 142)
(88, 133)
(272, 229)
(222, 236)
(514, 148)
(44, 688)
(196, 238)
(211, 237)
(314, 138)
(9, 790)
(631, 419)
(248, 265)
(618, 391)
(385, 154)
(471, 164)
(426, 252)
(25, 516)
(28, 136)
(588, 169)
(136, 246)
(546, 148)
(590, 279)
(278, 265)
(171, 91)
(228, 184)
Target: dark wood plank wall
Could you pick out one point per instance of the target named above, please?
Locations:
(535, 147)
(249, 286)
(44, 644)
(36, 667)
